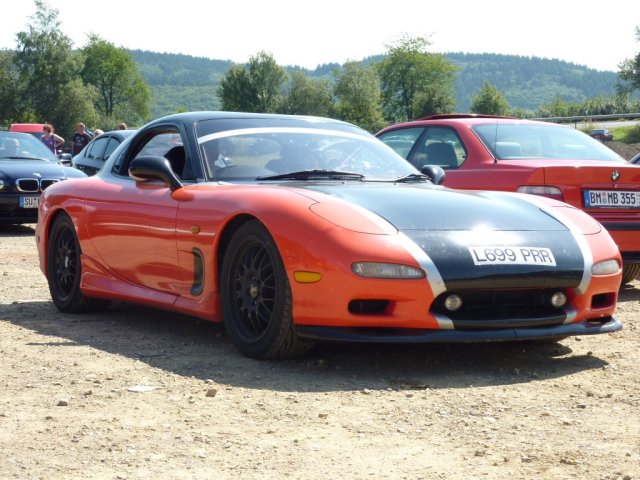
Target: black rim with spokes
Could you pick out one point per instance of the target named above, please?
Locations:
(254, 291)
(65, 263)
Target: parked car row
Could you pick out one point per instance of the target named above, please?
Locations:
(294, 230)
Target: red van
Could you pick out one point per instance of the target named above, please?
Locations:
(34, 129)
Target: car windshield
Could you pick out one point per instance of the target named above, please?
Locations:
(241, 149)
(22, 146)
(529, 141)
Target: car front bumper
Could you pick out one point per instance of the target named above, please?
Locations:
(396, 335)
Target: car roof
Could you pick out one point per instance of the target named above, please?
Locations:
(208, 115)
(122, 133)
(467, 119)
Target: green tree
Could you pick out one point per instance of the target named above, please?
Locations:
(10, 100)
(415, 82)
(490, 101)
(630, 68)
(357, 90)
(236, 91)
(122, 93)
(267, 78)
(48, 71)
(558, 108)
(255, 87)
(307, 96)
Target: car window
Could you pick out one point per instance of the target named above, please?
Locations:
(238, 150)
(111, 146)
(438, 146)
(96, 149)
(24, 147)
(160, 144)
(532, 141)
(165, 142)
(402, 140)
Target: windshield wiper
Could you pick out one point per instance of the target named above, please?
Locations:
(412, 177)
(314, 174)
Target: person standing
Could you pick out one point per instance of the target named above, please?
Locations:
(50, 139)
(122, 126)
(80, 139)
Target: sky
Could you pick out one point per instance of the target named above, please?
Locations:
(596, 34)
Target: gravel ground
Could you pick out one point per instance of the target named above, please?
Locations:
(625, 150)
(134, 393)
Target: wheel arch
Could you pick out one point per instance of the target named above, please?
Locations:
(225, 238)
(51, 220)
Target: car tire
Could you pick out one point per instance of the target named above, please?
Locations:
(256, 297)
(64, 269)
(630, 272)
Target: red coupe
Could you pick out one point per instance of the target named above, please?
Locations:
(293, 230)
(540, 158)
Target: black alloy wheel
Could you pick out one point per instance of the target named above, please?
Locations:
(256, 296)
(64, 269)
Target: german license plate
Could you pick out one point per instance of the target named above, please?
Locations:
(29, 202)
(505, 255)
(611, 199)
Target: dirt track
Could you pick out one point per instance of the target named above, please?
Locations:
(134, 393)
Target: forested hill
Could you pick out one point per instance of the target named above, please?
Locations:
(184, 82)
(528, 82)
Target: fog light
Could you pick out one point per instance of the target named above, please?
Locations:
(558, 299)
(453, 303)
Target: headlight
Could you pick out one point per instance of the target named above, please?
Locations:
(2, 184)
(386, 270)
(606, 267)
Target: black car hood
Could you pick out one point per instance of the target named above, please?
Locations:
(448, 224)
(423, 207)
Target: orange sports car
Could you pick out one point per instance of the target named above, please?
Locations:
(293, 230)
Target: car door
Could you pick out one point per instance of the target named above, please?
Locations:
(133, 223)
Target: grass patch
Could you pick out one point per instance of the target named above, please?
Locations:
(630, 134)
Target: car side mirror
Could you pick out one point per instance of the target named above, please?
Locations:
(146, 168)
(64, 159)
(435, 173)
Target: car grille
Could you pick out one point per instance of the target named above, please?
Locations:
(490, 309)
(34, 185)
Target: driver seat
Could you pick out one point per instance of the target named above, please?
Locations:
(176, 159)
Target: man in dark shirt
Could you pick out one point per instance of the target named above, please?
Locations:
(80, 139)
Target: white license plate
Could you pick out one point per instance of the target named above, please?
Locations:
(505, 255)
(611, 199)
(29, 202)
